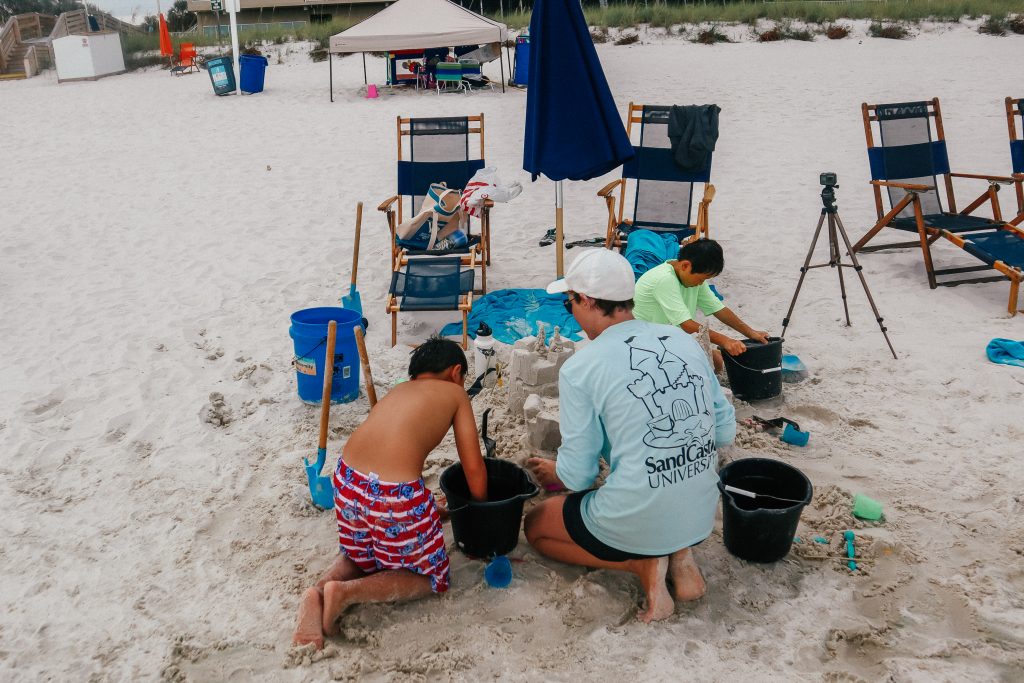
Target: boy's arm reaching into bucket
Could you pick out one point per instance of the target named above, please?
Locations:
(467, 441)
(727, 316)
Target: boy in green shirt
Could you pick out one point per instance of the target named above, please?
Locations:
(672, 292)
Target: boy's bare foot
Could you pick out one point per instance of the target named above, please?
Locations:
(309, 629)
(652, 579)
(687, 582)
(336, 600)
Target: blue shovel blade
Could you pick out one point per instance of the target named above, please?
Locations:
(321, 489)
(352, 300)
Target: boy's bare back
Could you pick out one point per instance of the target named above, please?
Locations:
(407, 424)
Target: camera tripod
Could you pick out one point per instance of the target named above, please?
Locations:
(835, 229)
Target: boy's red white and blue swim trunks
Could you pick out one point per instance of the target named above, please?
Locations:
(388, 525)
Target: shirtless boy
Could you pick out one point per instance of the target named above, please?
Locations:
(389, 529)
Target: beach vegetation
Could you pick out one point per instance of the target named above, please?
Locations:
(1016, 23)
(888, 30)
(836, 31)
(627, 39)
(993, 26)
(783, 31)
(710, 36)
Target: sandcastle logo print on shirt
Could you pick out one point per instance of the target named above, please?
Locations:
(680, 418)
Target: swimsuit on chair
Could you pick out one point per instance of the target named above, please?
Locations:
(388, 525)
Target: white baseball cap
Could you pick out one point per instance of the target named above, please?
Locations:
(598, 273)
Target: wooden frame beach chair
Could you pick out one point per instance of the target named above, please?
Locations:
(432, 283)
(438, 150)
(907, 164)
(1014, 111)
(662, 194)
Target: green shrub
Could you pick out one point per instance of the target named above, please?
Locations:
(628, 39)
(993, 26)
(891, 31)
(599, 35)
(770, 35)
(712, 36)
(1016, 24)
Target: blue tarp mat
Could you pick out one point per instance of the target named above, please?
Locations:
(514, 313)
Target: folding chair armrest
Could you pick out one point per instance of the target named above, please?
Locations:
(910, 187)
(607, 190)
(1003, 180)
(386, 204)
(709, 194)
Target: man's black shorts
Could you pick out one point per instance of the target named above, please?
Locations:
(578, 532)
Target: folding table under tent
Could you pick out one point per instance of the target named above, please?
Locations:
(416, 25)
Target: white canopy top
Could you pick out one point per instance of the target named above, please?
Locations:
(419, 24)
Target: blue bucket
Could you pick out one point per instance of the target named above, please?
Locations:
(309, 333)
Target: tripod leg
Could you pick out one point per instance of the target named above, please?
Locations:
(860, 273)
(803, 274)
(838, 261)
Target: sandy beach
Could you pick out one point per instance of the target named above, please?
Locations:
(156, 522)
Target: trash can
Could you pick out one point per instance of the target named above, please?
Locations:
(222, 75)
(251, 70)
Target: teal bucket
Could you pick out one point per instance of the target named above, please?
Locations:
(309, 334)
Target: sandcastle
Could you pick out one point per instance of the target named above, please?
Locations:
(533, 385)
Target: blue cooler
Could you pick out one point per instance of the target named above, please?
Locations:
(251, 71)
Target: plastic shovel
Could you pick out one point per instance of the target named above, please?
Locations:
(321, 489)
(352, 300)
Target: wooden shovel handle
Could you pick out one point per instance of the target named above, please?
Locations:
(371, 392)
(355, 246)
(325, 402)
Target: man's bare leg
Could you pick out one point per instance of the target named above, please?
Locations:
(308, 627)
(546, 532)
(390, 585)
(687, 582)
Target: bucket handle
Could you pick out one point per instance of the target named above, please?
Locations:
(337, 356)
(766, 371)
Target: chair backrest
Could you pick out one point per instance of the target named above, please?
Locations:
(469, 67)
(1015, 109)
(662, 193)
(432, 283)
(911, 149)
(449, 71)
(438, 150)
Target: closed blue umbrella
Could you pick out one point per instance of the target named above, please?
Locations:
(573, 129)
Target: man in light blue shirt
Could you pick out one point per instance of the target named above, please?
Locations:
(643, 398)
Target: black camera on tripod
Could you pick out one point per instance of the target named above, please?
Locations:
(830, 181)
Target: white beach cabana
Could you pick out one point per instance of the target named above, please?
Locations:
(417, 25)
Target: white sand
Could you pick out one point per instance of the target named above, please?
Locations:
(156, 239)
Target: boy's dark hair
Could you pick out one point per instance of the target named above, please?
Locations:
(436, 355)
(705, 257)
(609, 307)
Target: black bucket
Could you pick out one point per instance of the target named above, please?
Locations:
(756, 374)
(492, 528)
(761, 529)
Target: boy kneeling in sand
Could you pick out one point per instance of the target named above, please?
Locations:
(389, 529)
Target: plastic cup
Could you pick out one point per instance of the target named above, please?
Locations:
(794, 436)
(498, 572)
(866, 508)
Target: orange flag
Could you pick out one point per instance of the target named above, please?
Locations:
(166, 47)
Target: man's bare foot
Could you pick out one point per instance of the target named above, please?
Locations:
(308, 628)
(652, 579)
(687, 582)
(336, 599)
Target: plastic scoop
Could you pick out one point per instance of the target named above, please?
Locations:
(498, 573)
(866, 508)
(751, 494)
(791, 432)
(793, 369)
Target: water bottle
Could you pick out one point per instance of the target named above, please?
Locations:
(484, 355)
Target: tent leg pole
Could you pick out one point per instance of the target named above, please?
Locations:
(365, 82)
(503, 71)
(330, 70)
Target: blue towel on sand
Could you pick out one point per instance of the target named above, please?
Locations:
(514, 313)
(1006, 351)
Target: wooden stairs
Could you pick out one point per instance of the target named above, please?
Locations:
(14, 69)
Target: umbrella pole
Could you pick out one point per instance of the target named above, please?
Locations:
(365, 82)
(330, 70)
(559, 237)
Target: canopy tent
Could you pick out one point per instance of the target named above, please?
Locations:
(418, 24)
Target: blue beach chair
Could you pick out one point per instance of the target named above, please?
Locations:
(432, 283)
(1014, 111)
(907, 164)
(662, 194)
(433, 150)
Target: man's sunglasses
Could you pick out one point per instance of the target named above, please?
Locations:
(570, 297)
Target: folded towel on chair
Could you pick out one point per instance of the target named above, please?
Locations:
(1006, 351)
